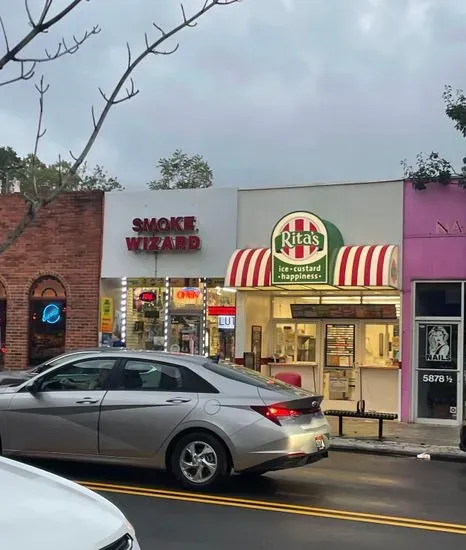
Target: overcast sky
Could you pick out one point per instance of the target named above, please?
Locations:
(270, 92)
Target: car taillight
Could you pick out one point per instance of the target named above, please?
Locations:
(275, 412)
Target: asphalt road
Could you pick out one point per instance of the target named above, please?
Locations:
(349, 500)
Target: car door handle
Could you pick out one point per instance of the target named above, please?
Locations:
(88, 400)
(178, 400)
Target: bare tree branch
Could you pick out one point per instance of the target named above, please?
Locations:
(42, 89)
(41, 26)
(62, 48)
(25, 74)
(36, 204)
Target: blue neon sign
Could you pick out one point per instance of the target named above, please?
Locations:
(51, 314)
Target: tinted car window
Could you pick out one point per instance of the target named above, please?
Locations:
(79, 375)
(155, 376)
(247, 376)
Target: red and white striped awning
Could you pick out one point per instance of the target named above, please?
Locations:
(355, 266)
(367, 266)
(249, 267)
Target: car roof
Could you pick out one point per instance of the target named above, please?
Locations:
(171, 357)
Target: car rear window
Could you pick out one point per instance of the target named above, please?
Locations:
(247, 376)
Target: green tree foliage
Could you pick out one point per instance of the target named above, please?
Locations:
(10, 168)
(433, 168)
(37, 178)
(180, 171)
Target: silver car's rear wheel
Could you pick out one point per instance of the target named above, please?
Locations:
(198, 462)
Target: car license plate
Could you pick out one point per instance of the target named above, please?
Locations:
(320, 442)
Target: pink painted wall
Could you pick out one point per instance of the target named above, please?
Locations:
(429, 252)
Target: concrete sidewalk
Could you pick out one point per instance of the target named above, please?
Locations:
(440, 442)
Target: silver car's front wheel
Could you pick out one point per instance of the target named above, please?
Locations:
(198, 462)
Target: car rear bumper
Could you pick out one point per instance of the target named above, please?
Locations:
(287, 462)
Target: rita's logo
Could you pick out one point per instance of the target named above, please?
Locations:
(299, 239)
(299, 250)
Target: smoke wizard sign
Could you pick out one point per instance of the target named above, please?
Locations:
(299, 250)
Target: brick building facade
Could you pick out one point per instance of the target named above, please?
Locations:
(63, 247)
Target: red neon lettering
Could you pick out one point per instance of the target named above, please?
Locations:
(194, 242)
(167, 244)
(180, 242)
(149, 225)
(133, 243)
(176, 223)
(137, 225)
(163, 224)
(189, 223)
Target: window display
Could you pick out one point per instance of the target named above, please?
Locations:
(285, 342)
(382, 345)
(221, 320)
(145, 314)
(47, 319)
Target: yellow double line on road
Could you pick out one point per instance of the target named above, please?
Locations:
(270, 506)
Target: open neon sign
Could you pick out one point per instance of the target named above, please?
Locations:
(188, 293)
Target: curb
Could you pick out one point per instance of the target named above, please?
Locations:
(439, 454)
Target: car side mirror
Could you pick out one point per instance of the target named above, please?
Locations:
(33, 387)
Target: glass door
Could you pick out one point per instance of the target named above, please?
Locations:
(438, 360)
(339, 360)
(185, 333)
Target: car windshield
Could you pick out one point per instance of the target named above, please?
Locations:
(249, 376)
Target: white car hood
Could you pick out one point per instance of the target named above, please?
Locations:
(45, 512)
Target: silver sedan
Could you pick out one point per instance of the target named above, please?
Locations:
(199, 419)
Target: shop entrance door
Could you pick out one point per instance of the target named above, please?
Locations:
(438, 360)
(185, 334)
(339, 357)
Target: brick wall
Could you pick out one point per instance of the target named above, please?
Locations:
(64, 241)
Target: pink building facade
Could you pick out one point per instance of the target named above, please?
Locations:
(433, 311)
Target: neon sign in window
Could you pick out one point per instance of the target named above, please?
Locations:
(51, 314)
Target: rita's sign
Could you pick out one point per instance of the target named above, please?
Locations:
(178, 234)
(300, 249)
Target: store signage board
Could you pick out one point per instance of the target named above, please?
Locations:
(300, 248)
(221, 310)
(226, 322)
(106, 315)
(148, 296)
(164, 234)
(343, 311)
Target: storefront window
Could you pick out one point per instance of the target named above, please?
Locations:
(186, 313)
(186, 294)
(381, 347)
(221, 320)
(306, 342)
(285, 342)
(145, 307)
(47, 319)
(438, 299)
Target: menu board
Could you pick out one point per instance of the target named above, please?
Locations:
(339, 346)
(343, 311)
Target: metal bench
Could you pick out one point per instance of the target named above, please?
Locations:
(367, 415)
